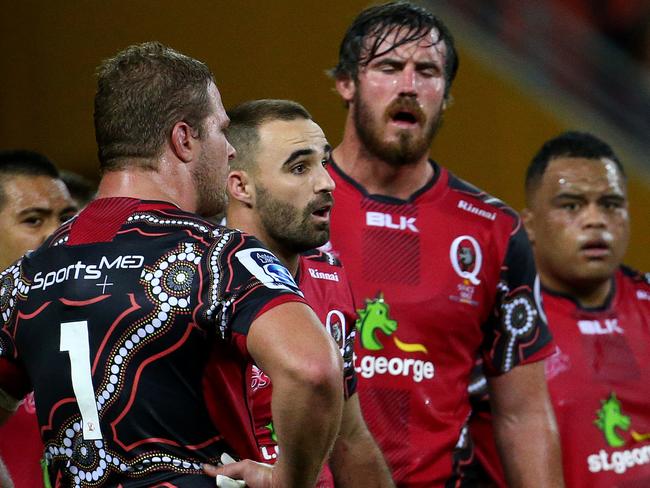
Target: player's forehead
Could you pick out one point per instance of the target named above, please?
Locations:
(39, 192)
(216, 103)
(583, 176)
(281, 138)
(428, 47)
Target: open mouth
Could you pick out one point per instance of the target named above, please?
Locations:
(323, 212)
(405, 117)
(596, 248)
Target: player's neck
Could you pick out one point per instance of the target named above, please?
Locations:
(149, 184)
(247, 221)
(589, 295)
(376, 175)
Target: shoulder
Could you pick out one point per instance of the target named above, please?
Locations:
(470, 199)
(320, 256)
(631, 278)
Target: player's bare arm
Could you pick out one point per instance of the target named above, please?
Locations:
(525, 429)
(356, 459)
(293, 348)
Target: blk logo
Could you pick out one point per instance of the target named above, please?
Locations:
(380, 219)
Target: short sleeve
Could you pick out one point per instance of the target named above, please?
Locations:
(246, 280)
(516, 331)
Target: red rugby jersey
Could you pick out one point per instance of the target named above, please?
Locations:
(325, 286)
(438, 279)
(599, 381)
(21, 447)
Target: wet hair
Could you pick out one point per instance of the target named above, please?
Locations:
(245, 120)
(571, 144)
(142, 92)
(407, 21)
(22, 162)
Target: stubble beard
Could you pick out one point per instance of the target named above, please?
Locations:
(210, 189)
(408, 149)
(287, 226)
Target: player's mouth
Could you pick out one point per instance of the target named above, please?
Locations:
(322, 213)
(595, 249)
(404, 118)
(405, 112)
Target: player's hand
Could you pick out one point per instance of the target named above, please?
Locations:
(254, 475)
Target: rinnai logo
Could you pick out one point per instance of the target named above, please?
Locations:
(642, 295)
(319, 275)
(468, 207)
(596, 327)
(84, 271)
(379, 219)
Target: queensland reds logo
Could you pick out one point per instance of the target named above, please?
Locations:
(466, 258)
(335, 325)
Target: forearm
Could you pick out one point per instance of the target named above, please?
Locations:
(359, 462)
(306, 420)
(529, 450)
(525, 430)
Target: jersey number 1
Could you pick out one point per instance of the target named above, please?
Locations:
(74, 340)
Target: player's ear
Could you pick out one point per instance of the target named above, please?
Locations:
(528, 219)
(346, 87)
(183, 141)
(240, 186)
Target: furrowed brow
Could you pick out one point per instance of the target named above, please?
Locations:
(297, 154)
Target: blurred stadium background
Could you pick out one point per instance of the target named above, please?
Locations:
(529, 70)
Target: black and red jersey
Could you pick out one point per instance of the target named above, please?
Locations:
(599, 382)
(325, 285)
(112, 323)
(438, 279)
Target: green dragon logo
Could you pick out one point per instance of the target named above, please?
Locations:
(274, 436)
(610, 417)
(375, 317)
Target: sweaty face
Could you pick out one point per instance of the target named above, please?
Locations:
(34, 207)
(398, 102)
(293, 191)
(579, 223)
(212, 167)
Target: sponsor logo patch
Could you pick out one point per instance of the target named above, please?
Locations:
(468, 207)
(374, 319)
(615, 424)
(267, 269)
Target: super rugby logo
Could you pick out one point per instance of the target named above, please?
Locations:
(466, 258)
(613, 422)
(374, 319)
(267, 269)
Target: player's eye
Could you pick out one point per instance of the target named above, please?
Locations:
(32, 221)
(299, 168)
(570, 206)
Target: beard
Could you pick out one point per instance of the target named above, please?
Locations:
(409, 148)
(210, 185)
(293, 229)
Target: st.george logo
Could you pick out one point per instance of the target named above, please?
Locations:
(375, 318)
(374, 324)
(611, 418)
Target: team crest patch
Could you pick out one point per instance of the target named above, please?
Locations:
(466, 258)
(267, 269)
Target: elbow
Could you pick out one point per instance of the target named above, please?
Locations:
(322, 373)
